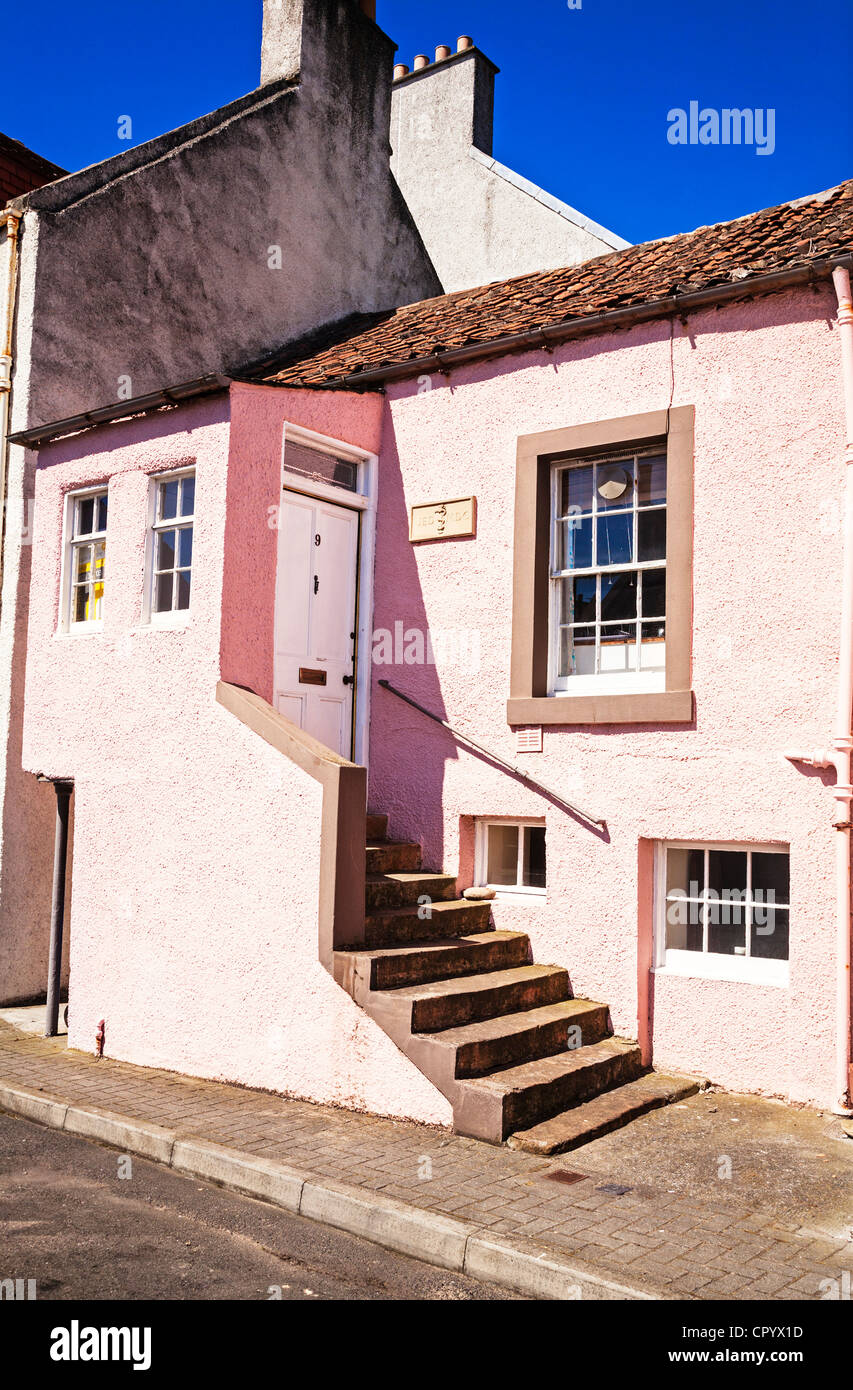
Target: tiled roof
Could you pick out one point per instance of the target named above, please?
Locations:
(779, 239)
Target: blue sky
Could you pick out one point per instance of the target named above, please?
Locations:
(582, 101)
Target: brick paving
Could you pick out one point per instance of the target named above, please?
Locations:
(679, 1244)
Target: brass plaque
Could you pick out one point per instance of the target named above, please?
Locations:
(440, 521)
(309, 677)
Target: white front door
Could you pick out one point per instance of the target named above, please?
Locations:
(315, 622)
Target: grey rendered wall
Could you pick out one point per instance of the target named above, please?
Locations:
(162, 273)
(480, 221)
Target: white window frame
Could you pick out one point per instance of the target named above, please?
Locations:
(175, 617)
(709, 965)
(616, 682)
(506, 892)
(70, 544)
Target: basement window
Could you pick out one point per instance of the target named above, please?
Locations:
(724, 911)
(85, 559)
(510, 857)
(171, 545)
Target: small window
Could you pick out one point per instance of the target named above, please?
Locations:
(86, 558)
(172, 544)
(725, 911)
(608, 570)
(511, 856)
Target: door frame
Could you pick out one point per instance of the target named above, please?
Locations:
(363, 501)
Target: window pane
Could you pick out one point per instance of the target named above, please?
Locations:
(579, 597)
(615, 539)
(614, 485)
(163, 593)
(617, 649)
(576, 490)
(654, 594)
(652, 481)
(651, 536)
(188, 496)
(770, 934)
(165, 550)
(727, 870)
(534, 856)
(574, 543)
(685, 872)
(771, 876)
(653, 653)
(182, 597)
(726, 930)
(102, 512)
(81, 605)
(83, 564)
(502, 855)
(618, 596)
(578, 651)
(169, 499)
(185, 547)
(85, 519)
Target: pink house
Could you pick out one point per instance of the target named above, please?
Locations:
(596, 521)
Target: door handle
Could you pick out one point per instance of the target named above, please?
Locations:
(349, 680)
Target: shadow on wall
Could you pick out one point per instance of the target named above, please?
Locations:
(408, 752)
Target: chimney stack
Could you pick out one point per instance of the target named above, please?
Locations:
(454, 97)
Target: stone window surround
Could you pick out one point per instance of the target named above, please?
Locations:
(529, 702)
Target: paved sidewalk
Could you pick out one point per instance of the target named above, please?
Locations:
(659, 1236)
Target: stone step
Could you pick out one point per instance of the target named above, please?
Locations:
(602, 1114)
(511, 1039)
(377, 826)
(426, 962)
(493, 1107)
(389, 856)
(402, 890)
(453, 1003)
(400, 926)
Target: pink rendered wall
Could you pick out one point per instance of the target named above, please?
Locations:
(258, 414)
(766, 385)
(193, 922)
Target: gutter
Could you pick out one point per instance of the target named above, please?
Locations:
(840, 755)
(123, 410)
(549, 336)
(11, 219)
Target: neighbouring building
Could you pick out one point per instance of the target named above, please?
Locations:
(22, 170)
(254, 226)
(596, 520)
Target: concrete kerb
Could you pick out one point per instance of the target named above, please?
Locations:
(521, 1266)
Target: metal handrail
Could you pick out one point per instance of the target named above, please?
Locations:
(493, 757)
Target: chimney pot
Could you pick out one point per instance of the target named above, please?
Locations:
(463, 43)
(442, 52)
(369, 8)
(401, 70)
(421, 61)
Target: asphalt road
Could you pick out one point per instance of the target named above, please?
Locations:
(82, 1231)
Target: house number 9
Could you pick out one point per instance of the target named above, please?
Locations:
(317, 538)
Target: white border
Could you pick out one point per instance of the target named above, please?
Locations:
(176, 617)
(505, 893)
(65, 627)
(707, 965)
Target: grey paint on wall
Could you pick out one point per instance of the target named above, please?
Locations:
(480, 221)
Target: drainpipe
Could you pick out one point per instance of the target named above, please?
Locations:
(12, 221)
(57, 908)
(840, 756)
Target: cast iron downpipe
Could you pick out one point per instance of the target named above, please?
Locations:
(57, 908)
